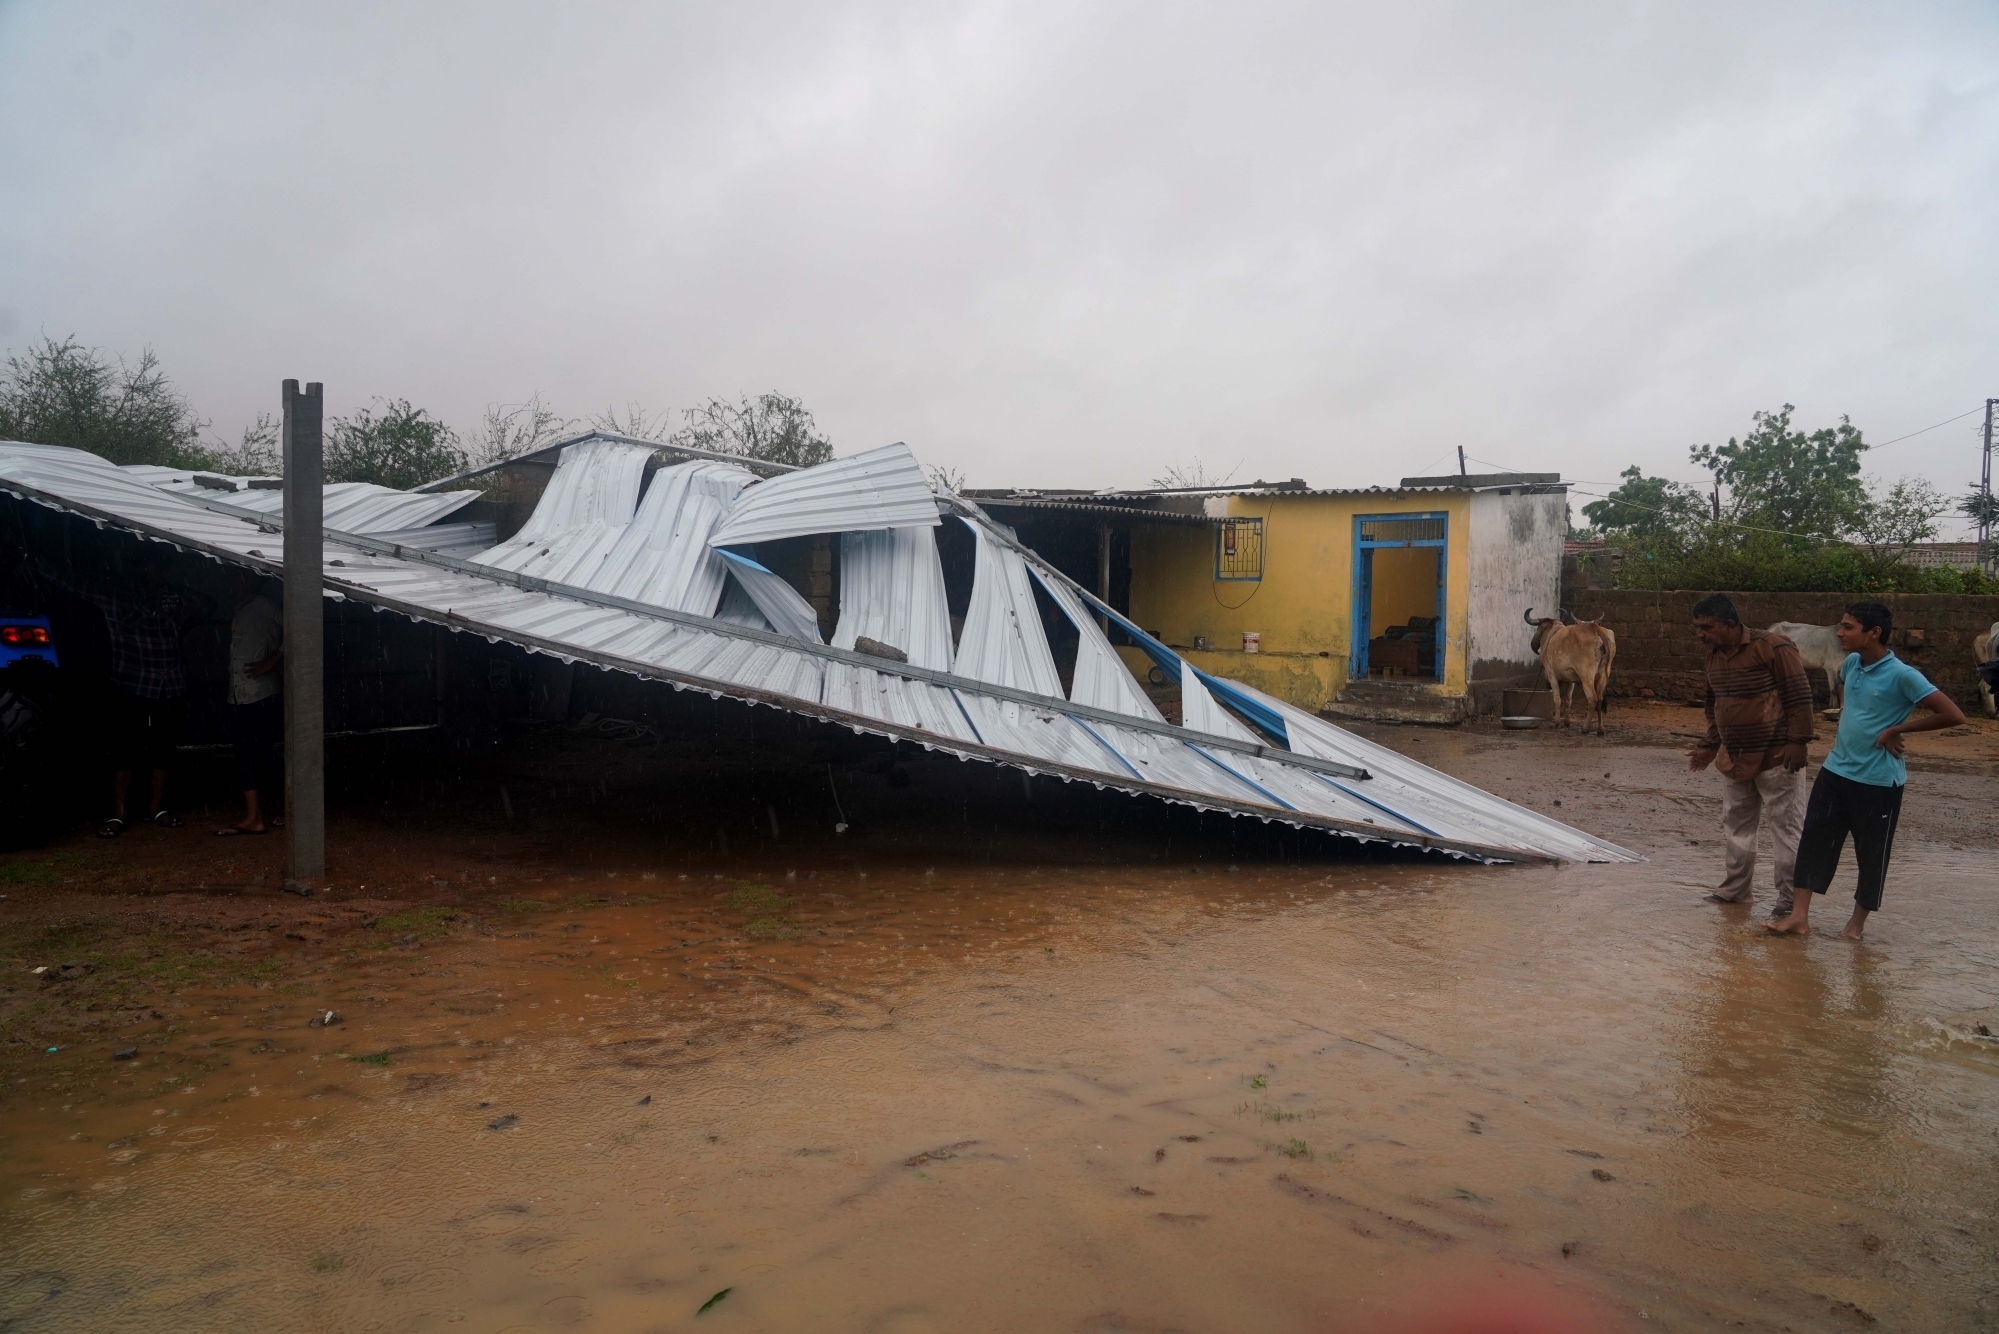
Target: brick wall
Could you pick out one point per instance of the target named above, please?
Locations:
(1657, 652)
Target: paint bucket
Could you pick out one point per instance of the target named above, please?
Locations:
(1252, 642)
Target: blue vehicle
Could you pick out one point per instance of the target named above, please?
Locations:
(26, 639)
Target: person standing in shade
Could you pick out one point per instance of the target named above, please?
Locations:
(148, 706)
(1759, 722)
(1859, 790)
(256, 709)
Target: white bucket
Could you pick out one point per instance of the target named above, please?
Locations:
(1252, 642)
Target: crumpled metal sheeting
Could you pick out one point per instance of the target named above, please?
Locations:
(663, 557)
(1102, 681)
(67, 472)
(897, 700)
(579, 519)
(784, 610)
(739, 608)
(879, 488)
(1002, 640)
(892, 590)
(352, 507)
(1172, 763)
(754, 666)
(1428, 797)
(1199, 711)
(1046, 734)
(463, 540)
(1481, 825)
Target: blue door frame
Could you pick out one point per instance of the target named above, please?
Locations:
(1363, 581)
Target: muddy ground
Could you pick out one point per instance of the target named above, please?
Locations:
(623, 1025)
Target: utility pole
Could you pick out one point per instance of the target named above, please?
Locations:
(1988, 560)
(305, 640)
(1461, 461)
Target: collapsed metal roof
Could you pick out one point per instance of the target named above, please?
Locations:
(660, 581)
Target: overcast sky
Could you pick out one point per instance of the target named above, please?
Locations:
(1061, 244)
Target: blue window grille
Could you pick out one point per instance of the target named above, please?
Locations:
(1239, 550)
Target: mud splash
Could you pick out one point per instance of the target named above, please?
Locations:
(1081, 1098)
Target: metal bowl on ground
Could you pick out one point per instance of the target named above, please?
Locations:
(1519, 723)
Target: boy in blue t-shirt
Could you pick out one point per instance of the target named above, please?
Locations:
(1859, 791)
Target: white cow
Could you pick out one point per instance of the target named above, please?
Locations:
(1986, 648)
(1819, 647)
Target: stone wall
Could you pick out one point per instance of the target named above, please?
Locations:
(1658, 655)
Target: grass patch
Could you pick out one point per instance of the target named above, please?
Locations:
(377, 1058)
(766, 912)
(327, 1264)
(1297, 1148)
(519, 905)
(39, 874)
(427, 923)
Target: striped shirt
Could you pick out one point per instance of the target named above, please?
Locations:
(1758, 701)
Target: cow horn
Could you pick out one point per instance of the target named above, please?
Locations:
(1529, 617)
(1568, 617)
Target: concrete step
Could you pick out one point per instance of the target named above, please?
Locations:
(1398, 702)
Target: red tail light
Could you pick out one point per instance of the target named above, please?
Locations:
(24, 636)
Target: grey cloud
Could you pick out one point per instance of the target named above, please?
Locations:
(1055, 244)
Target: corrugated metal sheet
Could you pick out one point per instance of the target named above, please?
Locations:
(1108, 739)
(892, 591)
(783, 609)
(463, 540)
(881, 488)
(580, 518)
(663, 557)
(352, 507)
(1003, 641)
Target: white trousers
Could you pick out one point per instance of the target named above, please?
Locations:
(1774, 798)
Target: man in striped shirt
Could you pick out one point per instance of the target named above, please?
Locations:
(1759, 721)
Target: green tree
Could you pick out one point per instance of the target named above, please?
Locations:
(258, 455)
(1890, 525)
(1807, 485)
(399, 446)
(513, 429)
(1980, 508)
(637, 423)
(62, 393)
(1646, 508)
(772, 427)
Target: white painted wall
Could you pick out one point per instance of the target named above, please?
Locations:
(1516, 563)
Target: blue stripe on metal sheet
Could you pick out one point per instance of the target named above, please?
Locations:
(1168, 660)
(976, 735)
(1237, 773)
(1115, 753)
(1385, 810)
(1269, 719)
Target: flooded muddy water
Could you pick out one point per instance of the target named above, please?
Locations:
(835, 1096)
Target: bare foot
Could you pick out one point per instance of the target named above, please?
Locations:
(1787, 926)
(1851, 933)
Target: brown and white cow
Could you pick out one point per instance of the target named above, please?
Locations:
(1575, 653)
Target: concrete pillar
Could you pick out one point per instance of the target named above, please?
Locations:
(305, 641)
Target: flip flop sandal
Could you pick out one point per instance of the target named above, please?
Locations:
(231, 831)
(111, 828)
(165, 820)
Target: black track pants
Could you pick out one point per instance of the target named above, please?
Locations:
(1838, 807)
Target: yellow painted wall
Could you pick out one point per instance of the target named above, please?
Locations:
(1405, 585)
(1302, 607)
